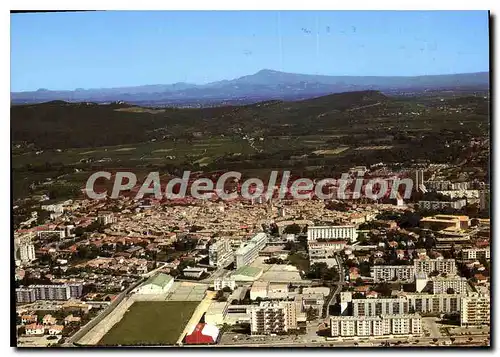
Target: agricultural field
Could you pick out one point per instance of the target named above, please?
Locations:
(150, 323)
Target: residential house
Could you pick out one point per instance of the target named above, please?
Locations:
(28, 319)
(55, 329)
(70, 318)
(35, 330)
(49, 320)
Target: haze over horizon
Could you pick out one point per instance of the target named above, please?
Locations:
(67, 51)
(229, 79)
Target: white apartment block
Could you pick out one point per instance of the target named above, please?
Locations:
(410, 302)
(220, 254)
(475, 310)
(25, 295)
(246, 254)
(379, 306)
(59, 233)
(25, 252)
(403, 273)
(105, 218)
(475, 253)
(469, 194)
(457, 204)
(348, 233)
(221, 283)
(434, 303)
(446, 185)
(440, 285)
(323, 250)
(427, 266)
(363, 326)
(273, 318)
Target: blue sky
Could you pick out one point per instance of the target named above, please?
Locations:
(126, 48)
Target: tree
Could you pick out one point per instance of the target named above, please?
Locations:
(311, 313)
(292, 229)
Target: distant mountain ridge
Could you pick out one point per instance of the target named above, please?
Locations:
(266, 84)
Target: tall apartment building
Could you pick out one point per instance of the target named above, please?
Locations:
(403, 273)
(220, 253)
(246, 254)
(440, 285)
(347, 233)
(408, 303)
(484, 199)
(273, 317)
(427, 266)
(475, 253)
(105, 217)
(25, 295)
(75, 290)
(447, 185)
(475, 310)
(468, 194)
(419, 181)
(434, 303)
(380, 306)
(455, 204)
(51, 292)
(24, 249)
(362, 326)
(26, 252)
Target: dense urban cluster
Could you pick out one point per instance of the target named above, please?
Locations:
(259, 272)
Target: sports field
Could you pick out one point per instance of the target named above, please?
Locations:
(150, 323)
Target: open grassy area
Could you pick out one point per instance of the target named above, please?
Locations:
(150, 323)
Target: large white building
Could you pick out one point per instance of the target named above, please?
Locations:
(469, 194)
(216, 313)
(348, 233)
(273, 317)
(379, 306)
(158, 284)
(361, 326)
(324, 249)
(475, 253)
(446, 185)
(475, 310)
(456, 204)
(247, 253)
(427, 266)
(407, 303)
(441, 285)
(24, 249)
(220, 253)
(403, 273)
(221, 283)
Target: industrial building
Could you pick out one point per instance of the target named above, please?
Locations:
(157, 284)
